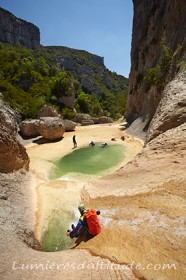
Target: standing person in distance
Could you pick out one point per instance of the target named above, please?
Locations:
(74, 141)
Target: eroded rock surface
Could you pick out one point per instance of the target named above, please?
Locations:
(171, 111)
(48, 111)
(13, 155)
(105, 119)
(28, 128)
(20, 261)
(155, 19)
(7, 117)
(16, 31)
(51, 128)
(144, 205)
(69, 125)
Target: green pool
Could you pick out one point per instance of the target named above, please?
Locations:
(54, 238)
(88, 161)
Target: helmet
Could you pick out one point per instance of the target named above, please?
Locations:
(81, 208)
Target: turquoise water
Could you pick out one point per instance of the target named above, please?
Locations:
(88, 161)
(54, 238)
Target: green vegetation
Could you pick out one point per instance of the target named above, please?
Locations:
(157, 76)
(30, 79)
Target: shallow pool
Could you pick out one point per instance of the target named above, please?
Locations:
(54, 238)
(88, 161)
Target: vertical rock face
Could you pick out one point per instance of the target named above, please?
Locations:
(7, 117)
(16, 31)
(13, 155)
(171, 111)
(152, 21)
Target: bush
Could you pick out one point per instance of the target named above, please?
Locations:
(68, 113)
(157, 75)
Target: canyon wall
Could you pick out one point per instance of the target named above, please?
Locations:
(16, 31)
(13, 155)
(154, 21)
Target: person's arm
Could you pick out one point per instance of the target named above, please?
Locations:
(79, 224)
(98, 212)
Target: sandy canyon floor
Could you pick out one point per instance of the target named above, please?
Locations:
(142, 204)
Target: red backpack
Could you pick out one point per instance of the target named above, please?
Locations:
(92, 222)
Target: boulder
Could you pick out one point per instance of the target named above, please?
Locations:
(8, 117)
(69, 125)
(51, 128)
(13, 155)
(87, 122)
(28, 128)
(105, 119)
(82, 117)
(48, 111)
(95, 120)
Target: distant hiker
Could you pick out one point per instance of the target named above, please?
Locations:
(74, 141)
(88, 223)
(103, 145)
(92, 144)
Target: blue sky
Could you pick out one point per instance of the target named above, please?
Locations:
(102, 27)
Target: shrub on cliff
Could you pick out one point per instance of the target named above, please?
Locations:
(158, 75)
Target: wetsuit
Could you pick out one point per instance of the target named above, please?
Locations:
(81, 228)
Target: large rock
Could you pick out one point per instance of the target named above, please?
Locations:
(69, 125)
(82, 117)
(16, 31)
(105, 119)
(87, 122)
(51, 128)
(28, 128)
(13, 155)
(171, 111)
(7, 117)
(155, 19)
(48, 111)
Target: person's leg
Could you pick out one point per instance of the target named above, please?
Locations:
(84, 231)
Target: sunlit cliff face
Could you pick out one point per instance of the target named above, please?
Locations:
(153, 21)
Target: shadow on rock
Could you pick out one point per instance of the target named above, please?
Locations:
(82, 238)
(43, 140)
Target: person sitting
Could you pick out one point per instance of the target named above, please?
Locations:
(84, 226)
(92, 144)
(103, 145)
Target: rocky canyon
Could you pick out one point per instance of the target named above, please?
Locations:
(143, 203)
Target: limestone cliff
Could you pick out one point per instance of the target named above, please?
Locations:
(153, 21)
(87, 68)
(16, 31)
(13, 155)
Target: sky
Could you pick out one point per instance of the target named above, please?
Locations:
(101, 27)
